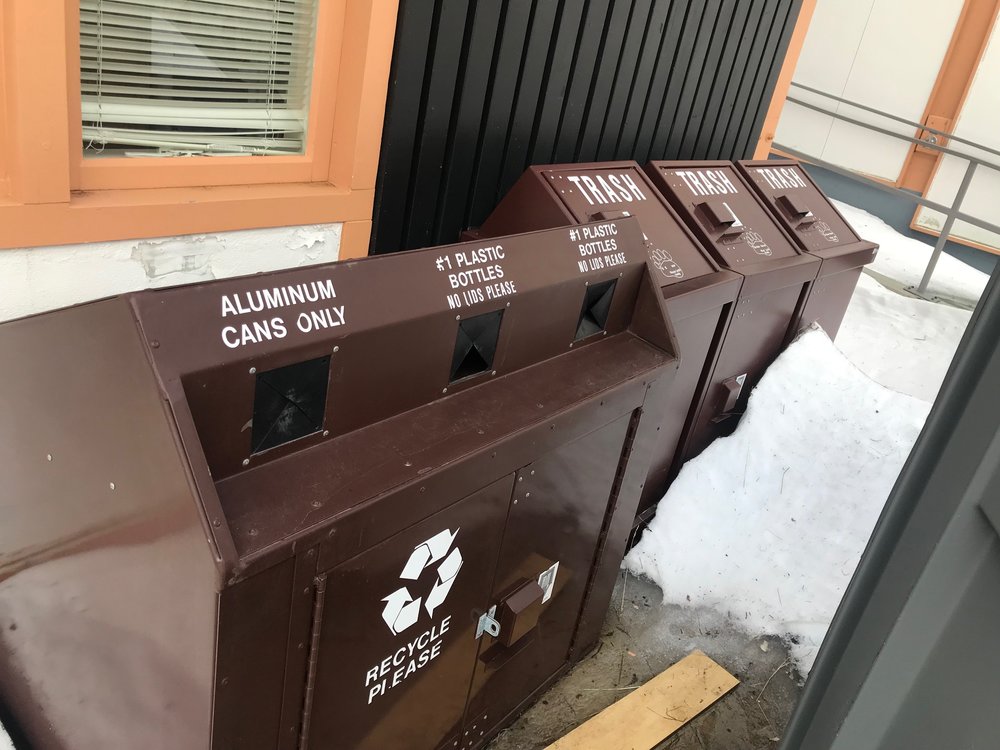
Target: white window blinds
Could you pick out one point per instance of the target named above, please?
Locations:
(195, 77)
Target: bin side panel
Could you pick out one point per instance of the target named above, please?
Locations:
(559, 509)
(671, 402)
(397, 644)
(100, 542)
(253, 620)
(828, 300)
(756, 336)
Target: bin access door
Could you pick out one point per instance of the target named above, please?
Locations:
(397, 642)
(559, 506)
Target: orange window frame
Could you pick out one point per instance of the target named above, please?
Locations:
(51, 194)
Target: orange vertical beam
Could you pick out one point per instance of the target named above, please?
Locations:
(34, 63)
(370, 29)
(784, 79)
(354, 239)
(4, 156)
(968, 43)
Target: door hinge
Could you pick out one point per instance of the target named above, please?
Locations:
(488, 623)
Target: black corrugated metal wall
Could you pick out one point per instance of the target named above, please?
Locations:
(481, 89)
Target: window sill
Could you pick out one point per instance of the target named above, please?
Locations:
(161, 212)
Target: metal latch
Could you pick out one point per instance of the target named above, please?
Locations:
(488, 623)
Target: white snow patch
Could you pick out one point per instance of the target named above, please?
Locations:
(768, 525)
(903, 343)
(5, 743)
(905, 259)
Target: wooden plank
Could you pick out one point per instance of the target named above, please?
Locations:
(653, 712)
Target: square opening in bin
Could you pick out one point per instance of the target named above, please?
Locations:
(289, 403)
(475, 345)
(596, 308)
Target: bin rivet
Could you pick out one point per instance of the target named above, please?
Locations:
(336, 349)
(252, 532)
(317, 503)
(155, 344)
(527, 495)
(217, 523)
(48, 456)
(253, 370)
(310, 552)
(225, 681)
(423, 489)
(620, 274)
(306, 591)
(246, 461)
(570, 344)
(520, 479)
(586, 283)
(493, 373)
(111, 485)
(458, 317)
(444, 390)
(604, 333)
(532, 474)
(508, 304)
(326, 433)
(408, 463)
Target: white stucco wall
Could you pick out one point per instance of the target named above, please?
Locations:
(881, 53)
(37, 279)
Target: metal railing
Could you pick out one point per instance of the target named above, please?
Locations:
(931, 141)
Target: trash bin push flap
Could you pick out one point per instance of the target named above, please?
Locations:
(817, 228)
(698, 293)
(739, 232)
(424, 468)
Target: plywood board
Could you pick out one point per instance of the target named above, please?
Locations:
(653, 712)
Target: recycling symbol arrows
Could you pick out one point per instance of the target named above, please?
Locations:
(401, 609)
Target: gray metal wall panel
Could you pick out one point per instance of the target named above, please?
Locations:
(478, 91)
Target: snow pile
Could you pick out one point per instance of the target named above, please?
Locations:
(905, 259)
(768, 524)
(5, 743)
(905, 344)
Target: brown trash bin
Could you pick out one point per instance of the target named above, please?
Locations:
(817, 228)
(698, 293)
(375, 504)
(740, 233)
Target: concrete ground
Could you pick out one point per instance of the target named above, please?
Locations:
(641, 638)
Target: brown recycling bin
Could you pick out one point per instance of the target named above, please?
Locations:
(725, 214)
(699, 295)
(818, 229)
(377, 505)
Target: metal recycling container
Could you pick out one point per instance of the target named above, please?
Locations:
(740, 233)
(698, 293)
(369, 505)
(817, 228)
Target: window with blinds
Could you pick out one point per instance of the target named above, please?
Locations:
(195, 77)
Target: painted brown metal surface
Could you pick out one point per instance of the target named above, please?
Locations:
(314, 482)
(817, 228)
(740, 233)
(699, 293)
(101, 540)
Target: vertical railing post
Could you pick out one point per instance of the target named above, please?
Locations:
(946, 229)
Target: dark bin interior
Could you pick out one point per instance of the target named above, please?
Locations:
(373, 504)
(817, 228)
(698, 293)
